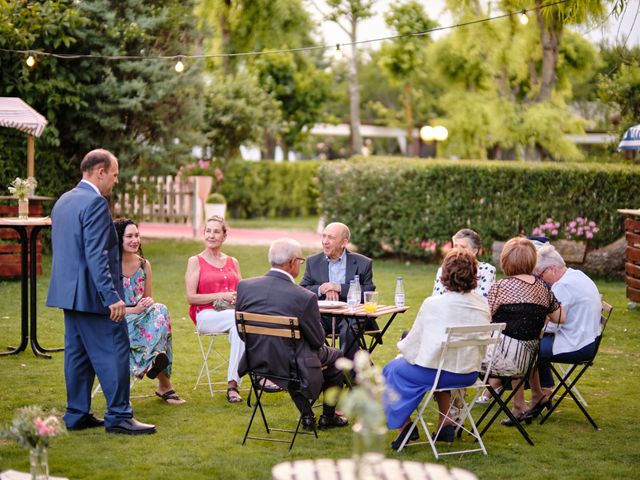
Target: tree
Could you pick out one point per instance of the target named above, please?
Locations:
(403, 57)
(53, 87)
(352, 12)
(140, 109)
(239, 26)
(237, 111)
(299, 88)
(622, 88)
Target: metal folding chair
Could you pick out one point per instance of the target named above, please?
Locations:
(568, 379)
(460, 340)
(221, 361)
(251, 326)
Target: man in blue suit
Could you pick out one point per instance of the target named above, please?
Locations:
(86, 284)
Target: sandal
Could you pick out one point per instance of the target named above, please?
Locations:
(233, 398)
(171, 397)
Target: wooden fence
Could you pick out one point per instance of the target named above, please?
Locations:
(156, 199)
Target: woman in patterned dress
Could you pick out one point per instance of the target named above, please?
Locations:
(148, 322)
(469, 240)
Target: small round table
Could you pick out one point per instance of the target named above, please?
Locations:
(344, 469)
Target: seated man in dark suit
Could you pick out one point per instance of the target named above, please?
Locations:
(276, 293)
(328, 274)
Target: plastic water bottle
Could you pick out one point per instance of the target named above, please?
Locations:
(352, 301)
(356, 279)
(399, 292)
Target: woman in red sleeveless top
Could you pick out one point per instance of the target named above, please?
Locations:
(211, 281)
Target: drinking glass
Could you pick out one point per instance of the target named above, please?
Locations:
(370, 301)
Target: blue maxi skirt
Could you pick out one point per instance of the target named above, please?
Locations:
(407, 384)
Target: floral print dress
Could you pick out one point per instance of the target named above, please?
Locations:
(149, 331)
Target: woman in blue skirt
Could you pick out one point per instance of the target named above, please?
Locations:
(410, 375)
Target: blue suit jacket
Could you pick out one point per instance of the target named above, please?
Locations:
(317, 273)
(86, 269)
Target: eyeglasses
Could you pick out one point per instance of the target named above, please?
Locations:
(301, 260)
(544, 271)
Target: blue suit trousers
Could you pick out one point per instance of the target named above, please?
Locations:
(95, 345)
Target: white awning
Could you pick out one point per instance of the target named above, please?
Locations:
(14, 113)
(631, 139)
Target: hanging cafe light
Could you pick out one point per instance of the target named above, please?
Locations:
(30, 61)
(179, 67)
(524, 19)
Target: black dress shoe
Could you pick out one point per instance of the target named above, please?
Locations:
(309, 422)
(88, 421)
(131, 426)
(331, 422)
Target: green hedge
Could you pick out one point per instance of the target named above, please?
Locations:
(393, 205)
(269, 189)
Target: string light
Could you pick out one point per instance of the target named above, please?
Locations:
(31, 61)
(179, 66)
(337, 55)
(524, 19)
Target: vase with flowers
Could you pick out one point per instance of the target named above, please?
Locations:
(22, 189)
(364, 405)
(33, 428)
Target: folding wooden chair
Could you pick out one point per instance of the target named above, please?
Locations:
(469, 338)
(251, 326)
(222, 361)
(567, 380)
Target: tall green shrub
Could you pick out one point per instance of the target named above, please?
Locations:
(393, 205)
(269, 189)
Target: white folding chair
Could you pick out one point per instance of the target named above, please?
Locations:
(134, 380)
(222, 361)
(468, 338)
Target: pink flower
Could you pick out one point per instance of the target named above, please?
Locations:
(44, 430)
(589, 235)
(554, 232)
(572, 224)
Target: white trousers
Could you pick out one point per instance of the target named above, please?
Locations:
(211, 321)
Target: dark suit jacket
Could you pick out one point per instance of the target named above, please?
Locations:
(276, 294)
(317, 273)
(86, 270)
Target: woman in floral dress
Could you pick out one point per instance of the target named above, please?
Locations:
(148, 322)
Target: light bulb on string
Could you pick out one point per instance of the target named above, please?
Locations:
(337, 55)
(31, 61)
(179, 67)
(524, 19)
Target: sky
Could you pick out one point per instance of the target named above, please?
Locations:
(615, 30)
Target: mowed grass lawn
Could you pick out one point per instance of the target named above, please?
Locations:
(202, 439)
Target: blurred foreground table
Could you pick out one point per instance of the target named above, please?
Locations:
(15, 475)
(344, 469)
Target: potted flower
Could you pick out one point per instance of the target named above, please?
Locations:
(216, 205)
(570, 239)
(32, 428)
(22, 189)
